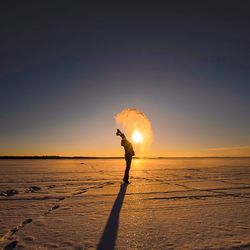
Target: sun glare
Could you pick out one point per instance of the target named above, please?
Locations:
(137, 137)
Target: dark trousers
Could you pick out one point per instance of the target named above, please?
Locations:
(128, 164)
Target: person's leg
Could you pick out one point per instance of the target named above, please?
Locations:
(128, 163)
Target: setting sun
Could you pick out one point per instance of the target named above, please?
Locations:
(137, 137)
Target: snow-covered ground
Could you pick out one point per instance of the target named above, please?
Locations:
(81, 204)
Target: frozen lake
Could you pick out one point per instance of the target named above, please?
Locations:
(201, 203)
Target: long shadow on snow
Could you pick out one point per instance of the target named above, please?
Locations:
(109, 235)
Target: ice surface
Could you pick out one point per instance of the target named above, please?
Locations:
(81, 204)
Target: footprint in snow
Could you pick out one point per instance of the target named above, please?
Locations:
(33, 189)
(53, 208)
(9, 192)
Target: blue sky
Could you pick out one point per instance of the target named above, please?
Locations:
(68, 68)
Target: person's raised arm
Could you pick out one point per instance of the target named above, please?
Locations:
(119, 133)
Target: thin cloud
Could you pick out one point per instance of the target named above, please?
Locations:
(231, 148)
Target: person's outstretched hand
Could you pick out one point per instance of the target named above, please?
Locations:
(118, 132)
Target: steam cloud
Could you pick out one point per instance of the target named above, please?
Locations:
(132, 119)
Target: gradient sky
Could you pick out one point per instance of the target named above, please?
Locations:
(67, 67)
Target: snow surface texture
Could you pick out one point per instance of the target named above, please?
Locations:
(81, 204)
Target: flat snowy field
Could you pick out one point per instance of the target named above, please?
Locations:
(81, 204)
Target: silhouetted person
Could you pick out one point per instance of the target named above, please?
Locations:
(129, 153)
